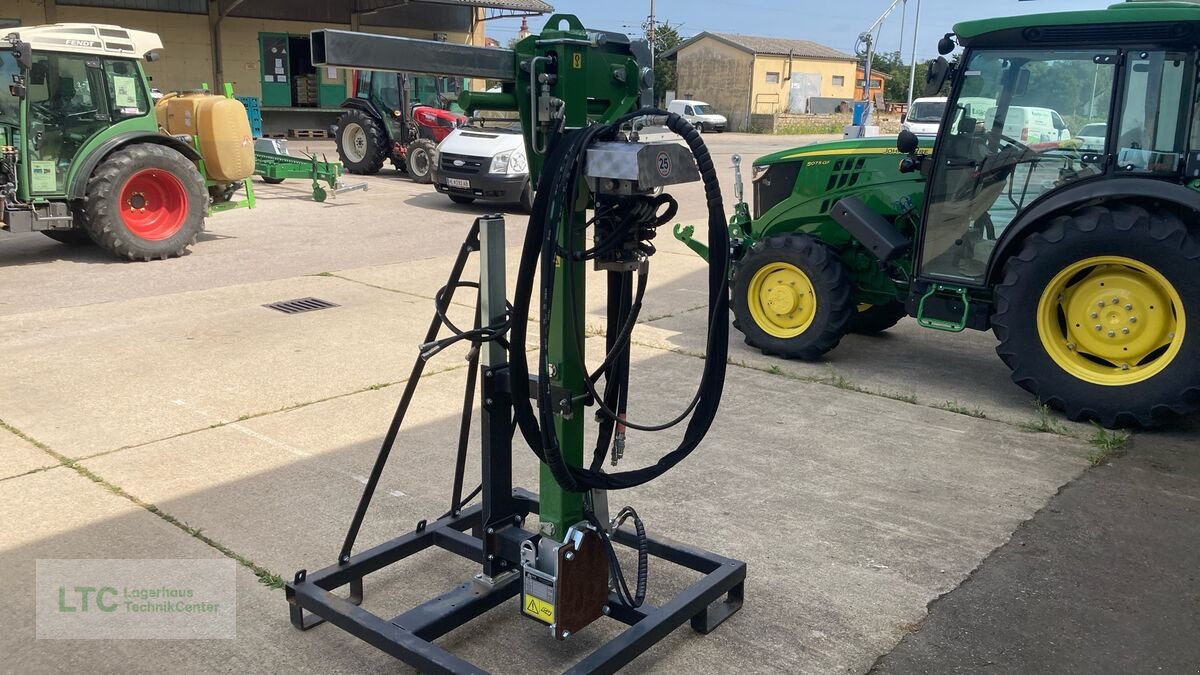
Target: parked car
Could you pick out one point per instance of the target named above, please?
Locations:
(1092, 136)
(1031, 126)
(699, 113)
(484, 163)
(924, 118)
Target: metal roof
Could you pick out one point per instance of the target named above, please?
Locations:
(247, 7)
(767, 45)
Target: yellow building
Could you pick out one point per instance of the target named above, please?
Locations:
(262, 46)
(744, 75)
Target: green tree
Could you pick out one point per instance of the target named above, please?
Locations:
(666, 37)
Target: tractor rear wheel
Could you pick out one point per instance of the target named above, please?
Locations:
(422, 154)
(146, 201)
(1093, 316)
(792, 297)
(361, 143)
(875, 319)
(75, 237)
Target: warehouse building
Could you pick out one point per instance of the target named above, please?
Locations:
(744, 75)
(262, 46)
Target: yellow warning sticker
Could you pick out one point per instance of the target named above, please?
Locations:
(538, 609)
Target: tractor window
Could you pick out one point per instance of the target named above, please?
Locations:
(66, 108)
(127, 96)
(10, 105)
(1154, 115)
(1017, 115)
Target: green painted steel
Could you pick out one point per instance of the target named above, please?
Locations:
(1125, 12)
(591, 92)
(863, 168)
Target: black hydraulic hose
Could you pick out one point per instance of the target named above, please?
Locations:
(556, 189)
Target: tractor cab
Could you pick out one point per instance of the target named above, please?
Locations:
(994, 173)
(77, 81)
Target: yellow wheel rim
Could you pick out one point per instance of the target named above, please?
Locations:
(782, 300)
(1111, 321)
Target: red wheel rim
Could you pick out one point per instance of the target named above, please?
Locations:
(154, 204)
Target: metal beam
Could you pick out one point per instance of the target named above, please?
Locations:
(369, 51)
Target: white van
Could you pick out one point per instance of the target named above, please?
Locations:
(485, 164)
(699, 113)
(924, 118)
(1031, 126)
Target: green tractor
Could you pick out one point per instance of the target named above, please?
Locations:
(1080, 251)
(86, 157)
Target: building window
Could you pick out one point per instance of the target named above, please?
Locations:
(839, 80)
(772, 78)
(875, 84)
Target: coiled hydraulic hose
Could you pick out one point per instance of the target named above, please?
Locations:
(557, 190)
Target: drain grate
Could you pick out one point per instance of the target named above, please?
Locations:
(300, 305)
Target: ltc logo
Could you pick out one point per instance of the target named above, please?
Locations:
(80, 599)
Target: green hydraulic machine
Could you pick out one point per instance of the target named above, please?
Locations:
(581, 96)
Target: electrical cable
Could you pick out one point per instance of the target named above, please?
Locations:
(476, 336)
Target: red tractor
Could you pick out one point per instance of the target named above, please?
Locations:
(399, 117)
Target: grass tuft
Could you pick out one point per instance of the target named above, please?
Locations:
(1045, 422)
(959, 409)
(1107, 444)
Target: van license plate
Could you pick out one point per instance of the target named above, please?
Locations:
(459, 183)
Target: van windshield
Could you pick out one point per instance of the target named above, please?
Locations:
(701, 108)
(927, 111)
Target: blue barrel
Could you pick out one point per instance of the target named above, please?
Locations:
(860, 111)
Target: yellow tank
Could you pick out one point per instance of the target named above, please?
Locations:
(220, 124)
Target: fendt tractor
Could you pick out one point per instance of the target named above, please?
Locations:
(1083, 256)
(86, 157)
(396, 116)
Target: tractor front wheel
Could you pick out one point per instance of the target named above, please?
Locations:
(1093, 316)
(146, 201)
(792, 297)
(422, 153)
(361, 143)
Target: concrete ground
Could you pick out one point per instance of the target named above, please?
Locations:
(158, 410)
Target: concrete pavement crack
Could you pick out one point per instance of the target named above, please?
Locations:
(265, 576)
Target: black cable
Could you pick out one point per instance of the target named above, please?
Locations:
(557, 188)
(476, 336)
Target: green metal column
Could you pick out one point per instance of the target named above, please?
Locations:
(559, 508)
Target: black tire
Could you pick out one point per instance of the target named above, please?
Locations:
(699, 126)
(75, 237)
(422, 156)
(875, 319)
(459, 199)
(1153, 238)
(368, 159)
(272, 181)
(144, 168)
(830, 281)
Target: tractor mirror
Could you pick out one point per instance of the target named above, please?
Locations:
(37, 73)
(935, 76)
(23, 52)
(907, 142)
(946, 44)
(1022, 82)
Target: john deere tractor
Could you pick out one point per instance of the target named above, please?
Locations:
(85, 156)
(1081, 252)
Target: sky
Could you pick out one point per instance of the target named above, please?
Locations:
(833, 23)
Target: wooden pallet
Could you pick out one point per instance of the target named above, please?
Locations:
(274, 135)
(308, 133)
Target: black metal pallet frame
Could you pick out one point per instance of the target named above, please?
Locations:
(410, 635)
(496, 531)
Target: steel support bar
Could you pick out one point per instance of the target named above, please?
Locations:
(370, 51)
